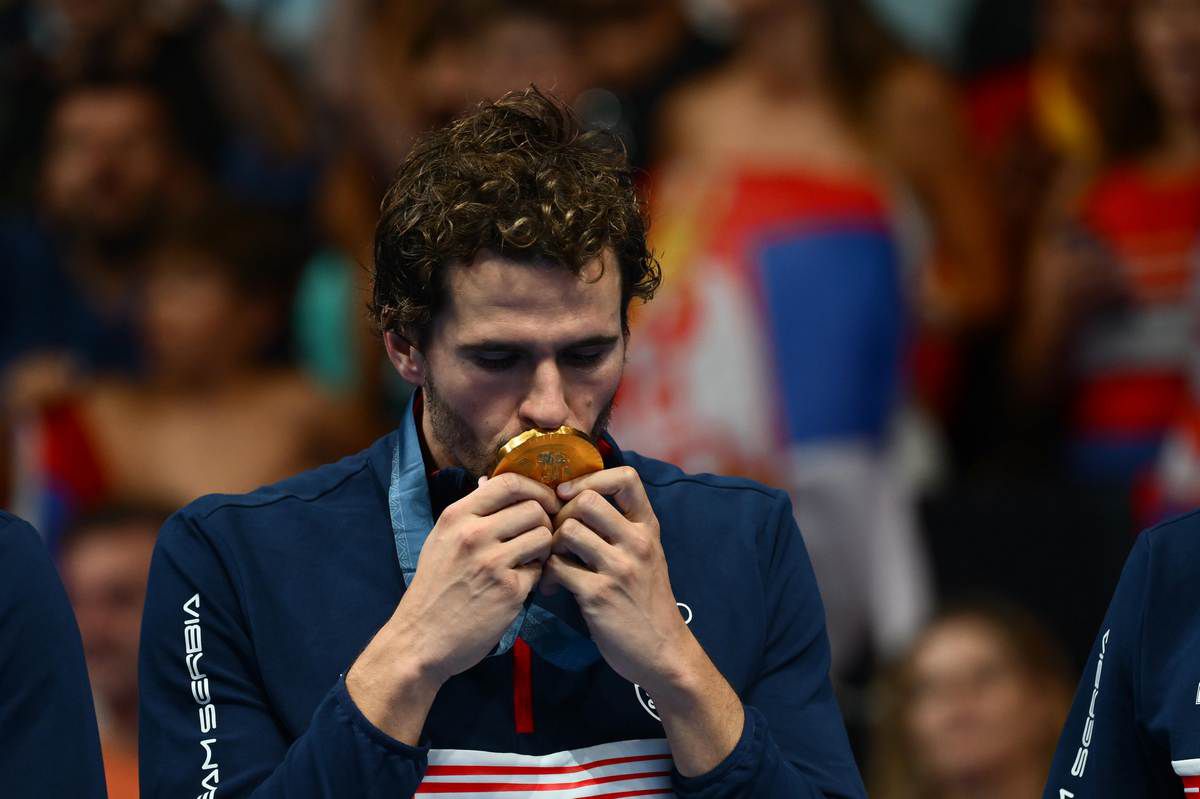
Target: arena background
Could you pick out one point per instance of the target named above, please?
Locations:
(931, 267)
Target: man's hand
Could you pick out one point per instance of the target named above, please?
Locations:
(477, 566)
(612, 560)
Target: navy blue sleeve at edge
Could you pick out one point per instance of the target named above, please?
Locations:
(793, 743)
(49, 746)
(1102, 751)
(205, 723)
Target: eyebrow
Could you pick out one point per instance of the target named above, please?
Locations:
(590, 341)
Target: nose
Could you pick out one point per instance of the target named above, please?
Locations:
(545, 405)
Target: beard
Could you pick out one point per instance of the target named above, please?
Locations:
(456, 438)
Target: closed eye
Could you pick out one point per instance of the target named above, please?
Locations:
(495, 361)
(585, 357)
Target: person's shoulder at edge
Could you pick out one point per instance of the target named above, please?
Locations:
(1174, 545)
(16, 535)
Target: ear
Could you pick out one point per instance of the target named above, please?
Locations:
(407, 360)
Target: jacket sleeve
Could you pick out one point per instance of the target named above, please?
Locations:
(793, 743)
(207, 728)
(48, 741)
(1102, 751)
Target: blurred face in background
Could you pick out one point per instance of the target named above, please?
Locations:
(199, 327)
(788, 35)
(107, 164)
(974, 712)
(516, 50)
(105, 572)
(1168, 40)
(1080, 32)
(88, 18)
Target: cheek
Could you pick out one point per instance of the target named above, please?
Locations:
(590, 391)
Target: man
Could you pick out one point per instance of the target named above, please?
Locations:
(375, 628)
(48, 743)
(1134, 728)
(105, 560)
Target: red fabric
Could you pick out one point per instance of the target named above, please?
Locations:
(522, 686)
(1150, 223)
(69, 458)
(514, 787)
(997, 105)
(762, 201)
(1130, 404)
(460, 771)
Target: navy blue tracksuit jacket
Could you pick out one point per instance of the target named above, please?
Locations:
(259, 604)
(49, 746)
(1134, 728)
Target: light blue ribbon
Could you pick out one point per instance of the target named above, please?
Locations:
(412, 520)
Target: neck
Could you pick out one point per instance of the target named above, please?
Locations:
(435, 454)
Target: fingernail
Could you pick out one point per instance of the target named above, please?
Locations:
(483, 479)
(564, 488)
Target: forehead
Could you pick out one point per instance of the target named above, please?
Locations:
(497, 298)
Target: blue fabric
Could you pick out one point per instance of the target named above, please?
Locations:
(48, 740)
(1113, 459)
(412, 520)
(42, 310)
(1137, 708)
(835, 323)
(289, 583)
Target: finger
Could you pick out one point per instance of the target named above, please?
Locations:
(510, 522)
(621, 483)
(597, 513)
(532, 546)
(528, 576)
(574, 538)
(509, 489)
(561, 571)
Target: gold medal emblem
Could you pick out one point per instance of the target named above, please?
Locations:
(549, 456)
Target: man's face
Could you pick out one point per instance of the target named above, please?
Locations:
(518, 346)
(105, 573)
(108, 161)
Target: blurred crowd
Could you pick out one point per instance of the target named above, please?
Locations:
(930, 267)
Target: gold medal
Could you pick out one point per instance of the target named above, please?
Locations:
(549, 456)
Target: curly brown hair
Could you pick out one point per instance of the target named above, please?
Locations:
(518, 177)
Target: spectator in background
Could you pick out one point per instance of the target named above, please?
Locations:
(792, 257)
(1072, 102)
(638, 52)
(1068, 105)
(236, 109)
(397, 69)
(68, 280)
(973, 710)
(212, 413)
(1111, 290)
(105, 561)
